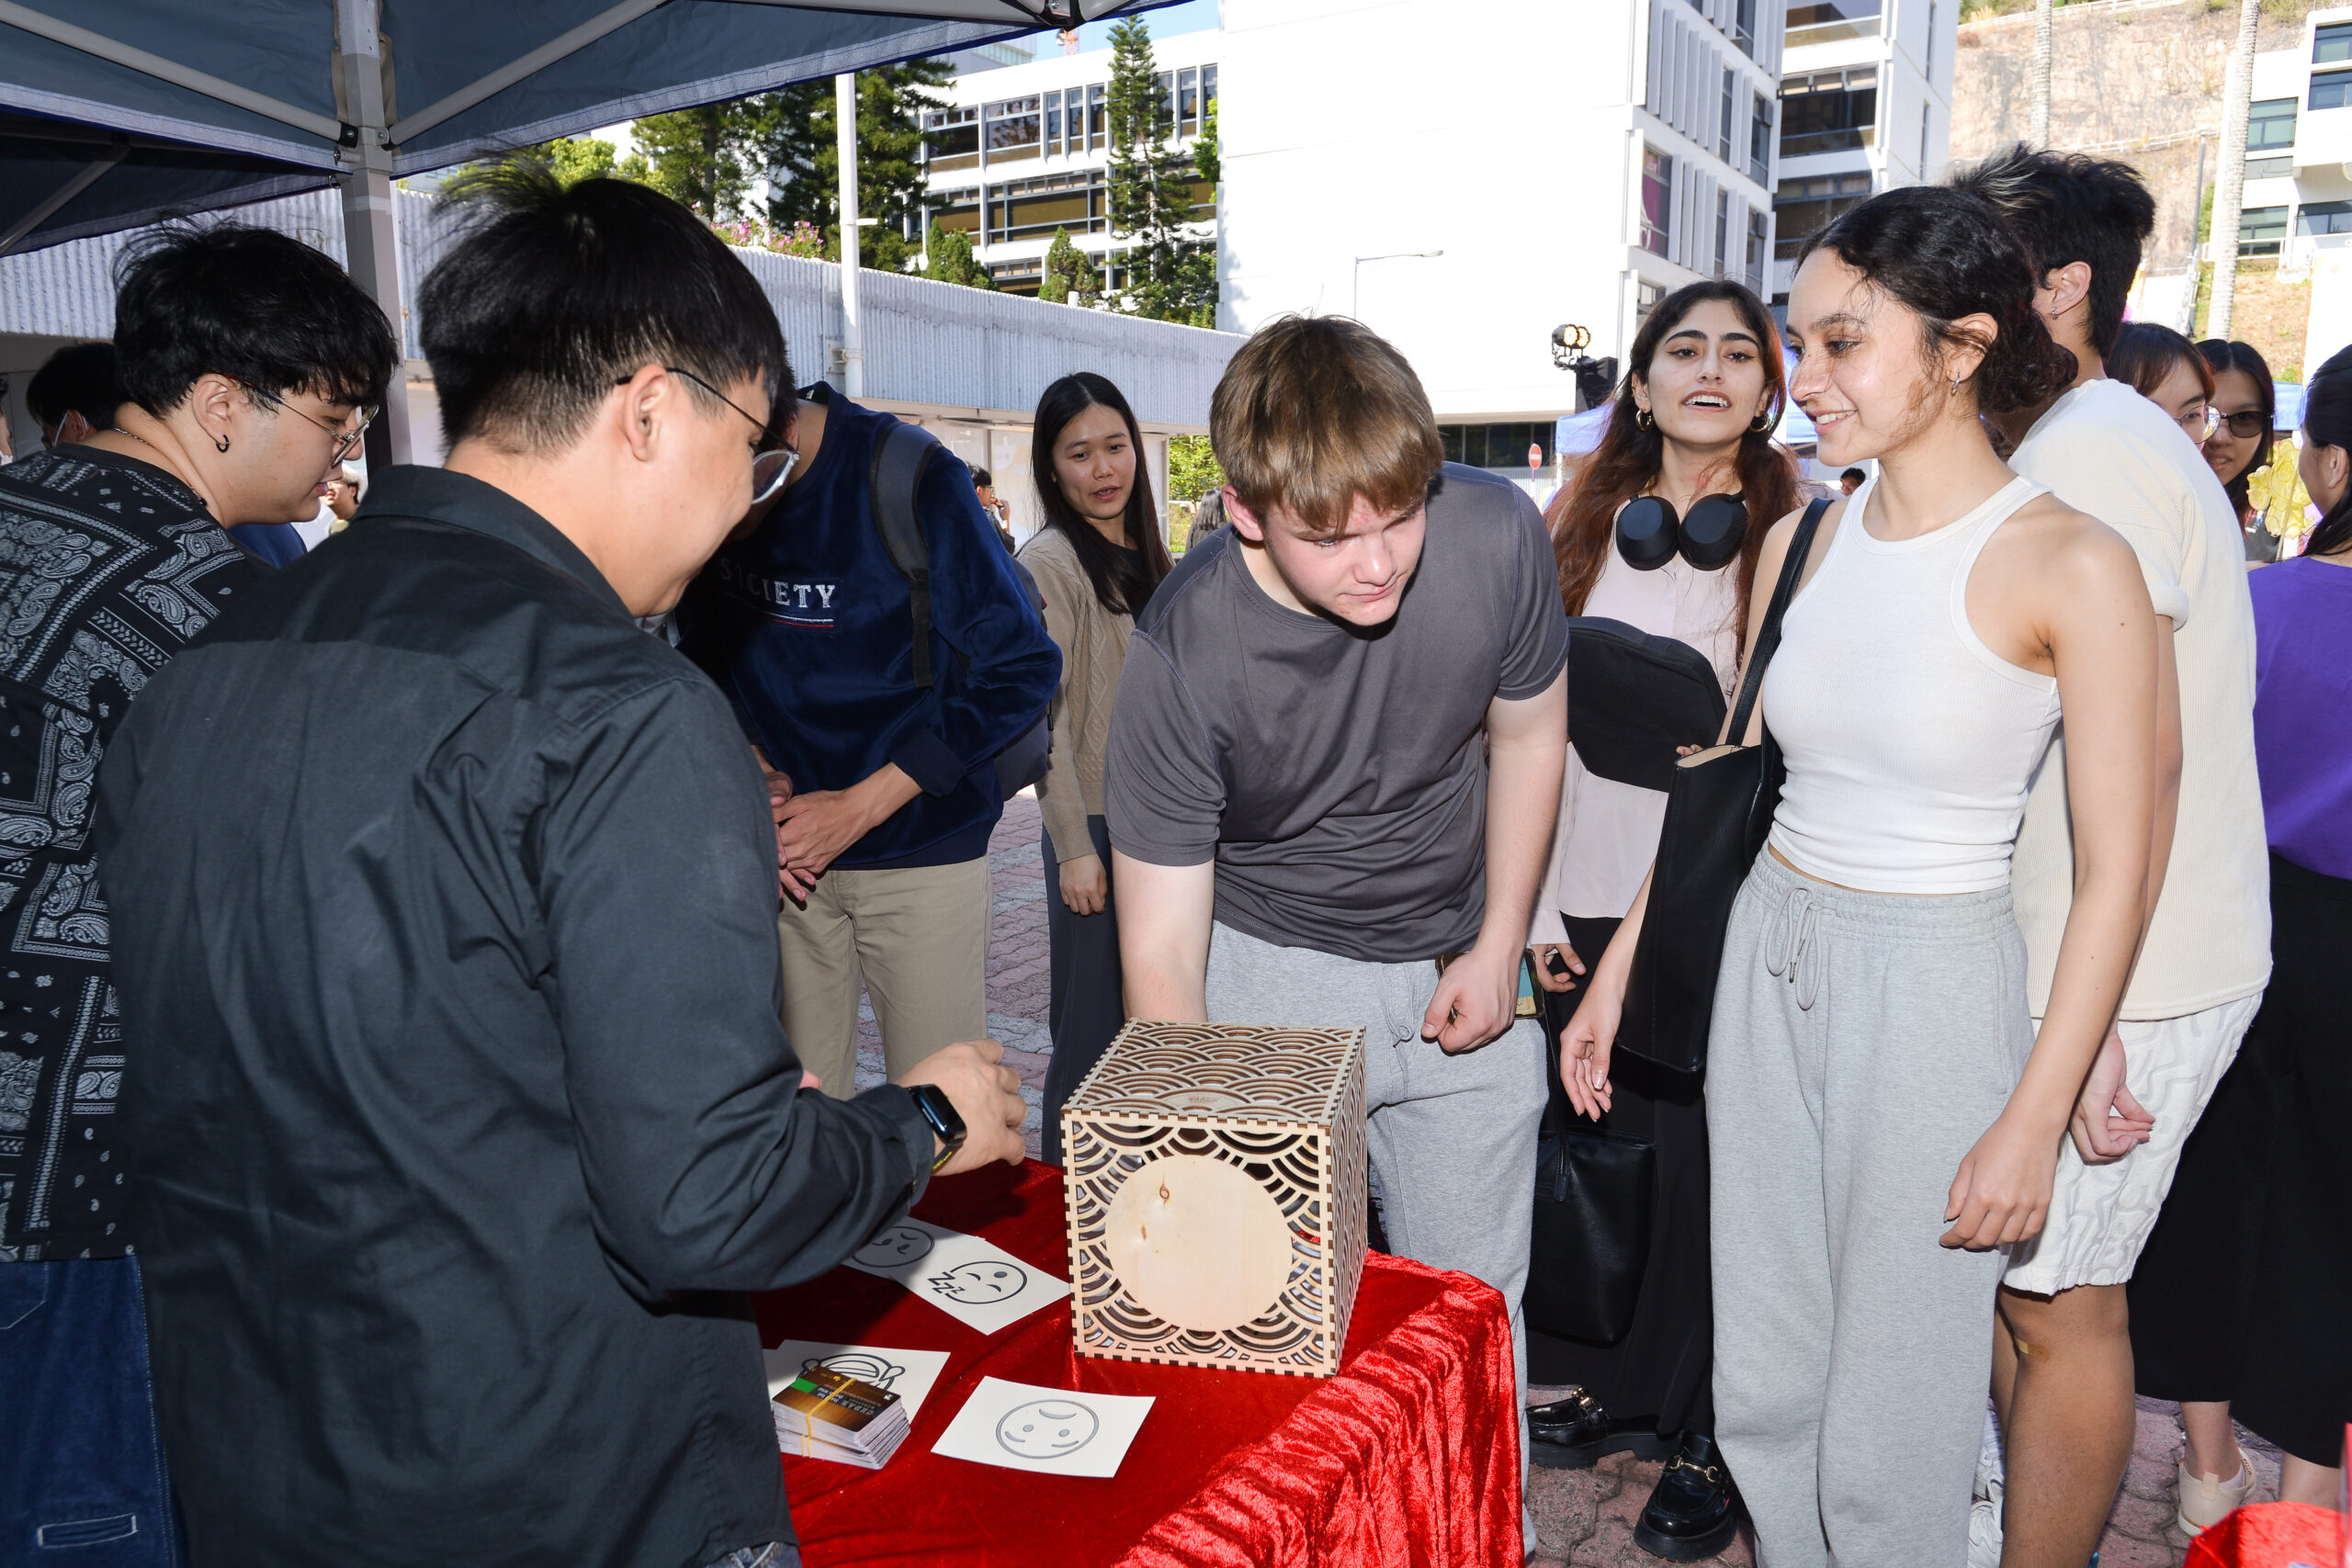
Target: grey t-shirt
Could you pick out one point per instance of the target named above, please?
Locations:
(1336, 777)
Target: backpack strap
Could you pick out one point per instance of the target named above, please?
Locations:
(900, 458)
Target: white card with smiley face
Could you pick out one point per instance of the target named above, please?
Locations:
(1050, 1430)
(981, 1286)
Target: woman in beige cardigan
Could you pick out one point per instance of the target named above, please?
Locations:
(1096, 561)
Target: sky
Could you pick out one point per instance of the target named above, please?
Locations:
(1191, 17)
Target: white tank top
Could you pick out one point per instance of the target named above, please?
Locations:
(1910, 744)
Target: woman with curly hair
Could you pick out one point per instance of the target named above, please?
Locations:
(1884, 1121)
(1692, 428)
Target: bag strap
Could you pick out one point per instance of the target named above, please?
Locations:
(900, 458)
(1767, 636)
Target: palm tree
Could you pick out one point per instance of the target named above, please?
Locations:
(2237, 93)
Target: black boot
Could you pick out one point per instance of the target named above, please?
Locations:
(1572, 1433)
(1693, 1512)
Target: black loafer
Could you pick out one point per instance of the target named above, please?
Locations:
(1575, 1432)
(1693, 1512)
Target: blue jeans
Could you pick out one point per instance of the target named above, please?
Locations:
(81, 1480)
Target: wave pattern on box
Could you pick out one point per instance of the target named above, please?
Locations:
(1216, 1189)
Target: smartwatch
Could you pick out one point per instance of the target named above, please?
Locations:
(940, 1112)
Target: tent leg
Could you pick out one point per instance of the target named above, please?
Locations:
(370, 248)
(374, 254)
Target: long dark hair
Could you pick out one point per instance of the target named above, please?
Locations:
(2327, 419)
(1584, 516)
(2224, 354)
(1119, 585)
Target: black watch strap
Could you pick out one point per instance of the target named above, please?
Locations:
(940, 1112)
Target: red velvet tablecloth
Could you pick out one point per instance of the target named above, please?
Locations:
(1408, 1456)
(2269, 1535)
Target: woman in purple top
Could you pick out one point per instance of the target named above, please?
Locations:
(2239, 1300)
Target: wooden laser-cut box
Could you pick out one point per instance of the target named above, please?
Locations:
(1215, 1193)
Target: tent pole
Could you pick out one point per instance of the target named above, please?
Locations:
(86, 176)
(845, 145)
(370, 243)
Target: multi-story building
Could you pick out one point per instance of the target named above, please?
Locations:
(1465, 181)
(1024, 152)
(1865, 105)
(2298, 201)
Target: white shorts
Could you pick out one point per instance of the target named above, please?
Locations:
(2101, 1214)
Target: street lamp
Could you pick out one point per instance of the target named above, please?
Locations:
(1355, 279)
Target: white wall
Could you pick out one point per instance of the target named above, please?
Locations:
(1508, 136)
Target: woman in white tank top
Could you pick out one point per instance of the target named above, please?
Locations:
(1884, 1119)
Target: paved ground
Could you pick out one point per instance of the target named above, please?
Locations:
(1584, 1518)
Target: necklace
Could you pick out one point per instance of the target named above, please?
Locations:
(141, 439)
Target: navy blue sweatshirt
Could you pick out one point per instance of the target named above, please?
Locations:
(807, 625)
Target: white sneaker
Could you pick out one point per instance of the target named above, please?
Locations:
(1985, 1525)
(2206, 1500)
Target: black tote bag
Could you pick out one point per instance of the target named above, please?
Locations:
(1717, 815)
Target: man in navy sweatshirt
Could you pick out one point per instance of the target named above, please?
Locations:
(884, 791)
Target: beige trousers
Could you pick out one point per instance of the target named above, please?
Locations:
(916, 939)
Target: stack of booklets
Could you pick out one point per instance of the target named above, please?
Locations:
(823, 1414)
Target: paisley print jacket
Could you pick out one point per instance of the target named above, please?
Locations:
(108, 568)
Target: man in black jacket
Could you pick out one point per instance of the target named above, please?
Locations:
(447, 896)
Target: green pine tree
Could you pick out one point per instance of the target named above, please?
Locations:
(1205, 153)
(798, 146)
(951, 259)
(1171, 274)
(1069, 277)
(704, 158)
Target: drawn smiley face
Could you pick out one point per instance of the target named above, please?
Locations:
(859, 1364)
(896, 1245)
(979, 1284)
(1047, 1429)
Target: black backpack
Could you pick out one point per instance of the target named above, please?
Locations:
(901, 458)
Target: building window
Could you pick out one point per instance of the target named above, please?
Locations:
(1209, 84)
(1188, 103)
(1658, 199)
(957, 209)
(2324, 217)
(2261, 231)
(2270, 125)
(1646, 298)
(1759, 142)
(1098, 123)
(1028, 209)
(1923, 140)
(2332, 45)
(951, 138)
(1756, 234)
(1723, 233)
(1826, 20)
(1722, 124)
(2269, 168)
(1928, 55)
(1013, 129)
(1496, 446)
(1828, 111)
(1802, 209)
(2333, 91)
(1742, 26)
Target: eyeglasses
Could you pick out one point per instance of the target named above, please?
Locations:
(346, 442)
(2200, 421)
(771, 466)
(2245, 424)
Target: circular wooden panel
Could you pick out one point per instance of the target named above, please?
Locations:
(1198, 1243)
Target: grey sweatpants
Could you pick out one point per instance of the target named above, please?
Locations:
(1863, 1043)
(1452, 1137)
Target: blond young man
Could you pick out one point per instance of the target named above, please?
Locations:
(1336, 757)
